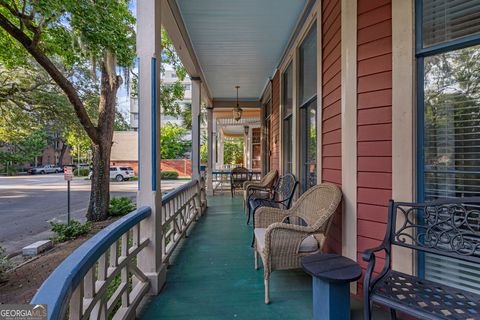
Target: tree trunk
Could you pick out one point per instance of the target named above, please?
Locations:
(100, 191)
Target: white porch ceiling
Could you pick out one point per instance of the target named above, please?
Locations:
(239, 42)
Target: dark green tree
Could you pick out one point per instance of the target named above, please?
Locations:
(63, 36)
(174, 144)
(23, 149)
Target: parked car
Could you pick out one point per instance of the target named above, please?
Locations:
(45, 169)
(119, 173)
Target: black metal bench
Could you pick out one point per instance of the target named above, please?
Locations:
(448, 228)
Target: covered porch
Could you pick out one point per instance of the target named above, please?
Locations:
(212, 276)
(331, 92)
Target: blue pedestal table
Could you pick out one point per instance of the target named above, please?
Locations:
(331, 277)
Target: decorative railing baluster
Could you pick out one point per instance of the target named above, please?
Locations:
(101, 279)
(76, 303)
(180, 208)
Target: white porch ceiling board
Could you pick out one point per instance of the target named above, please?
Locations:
(239, 42)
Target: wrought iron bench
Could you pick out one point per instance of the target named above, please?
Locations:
(447, 228)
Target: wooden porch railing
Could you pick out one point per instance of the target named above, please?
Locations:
(97, 279)
(179, 209)
(101, 279)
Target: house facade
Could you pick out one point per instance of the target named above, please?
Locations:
(380, 97)
(354, 100)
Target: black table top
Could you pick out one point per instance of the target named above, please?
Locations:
(331, 267)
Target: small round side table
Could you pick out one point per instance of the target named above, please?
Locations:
(331, 277)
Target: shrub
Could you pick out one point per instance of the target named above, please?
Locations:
(120, 206)
(133, 179)
(169, 175)
(5, 263)
(82, 172)
(10, 171)
(75, 229)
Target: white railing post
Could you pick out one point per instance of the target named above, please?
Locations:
(203, 196)
(196, 106)
(149, 193)
(211, 160)
(198, 198)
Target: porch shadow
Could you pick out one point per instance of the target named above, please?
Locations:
(213, 275)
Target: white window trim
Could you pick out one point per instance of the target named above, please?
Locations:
(403, 118)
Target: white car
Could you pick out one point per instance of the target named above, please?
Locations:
(119, 173)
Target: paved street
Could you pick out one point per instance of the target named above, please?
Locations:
(28, 203)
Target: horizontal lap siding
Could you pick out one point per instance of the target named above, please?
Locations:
(274, 124)
(331, 110)
(374, 122)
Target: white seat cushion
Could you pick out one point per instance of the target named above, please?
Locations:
(309, 244)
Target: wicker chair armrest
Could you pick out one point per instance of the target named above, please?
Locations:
(291, 228)
(265, 216)
(247, 184)
(288, 237)
(256, 187)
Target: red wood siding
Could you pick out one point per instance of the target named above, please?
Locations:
(331, 110)
(274, 124)
(374, 121)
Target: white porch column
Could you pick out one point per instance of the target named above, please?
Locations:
(245, 150)
(214, 143)
(210, 138)
(196, 105)
(149, 193)
(249, 148)
(221, 140)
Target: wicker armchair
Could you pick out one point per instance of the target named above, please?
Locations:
(281, 243)
(265, 184)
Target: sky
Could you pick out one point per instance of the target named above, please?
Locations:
(123, 98)
(123, 101)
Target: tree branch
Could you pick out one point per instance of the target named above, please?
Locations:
(56, 75)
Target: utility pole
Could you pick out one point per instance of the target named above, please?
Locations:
(78, 163)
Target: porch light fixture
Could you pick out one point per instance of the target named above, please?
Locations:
(237, 111)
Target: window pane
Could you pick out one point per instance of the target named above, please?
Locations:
(308, 66)
(311, 164)
(445, 20)
(287, 91)
(452, 148)
(288, 145)
(452, 124)
(309, 145)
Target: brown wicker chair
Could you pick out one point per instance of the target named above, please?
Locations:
(281, 243)
(265, 184)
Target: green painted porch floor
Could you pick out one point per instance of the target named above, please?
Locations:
(213, 275)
